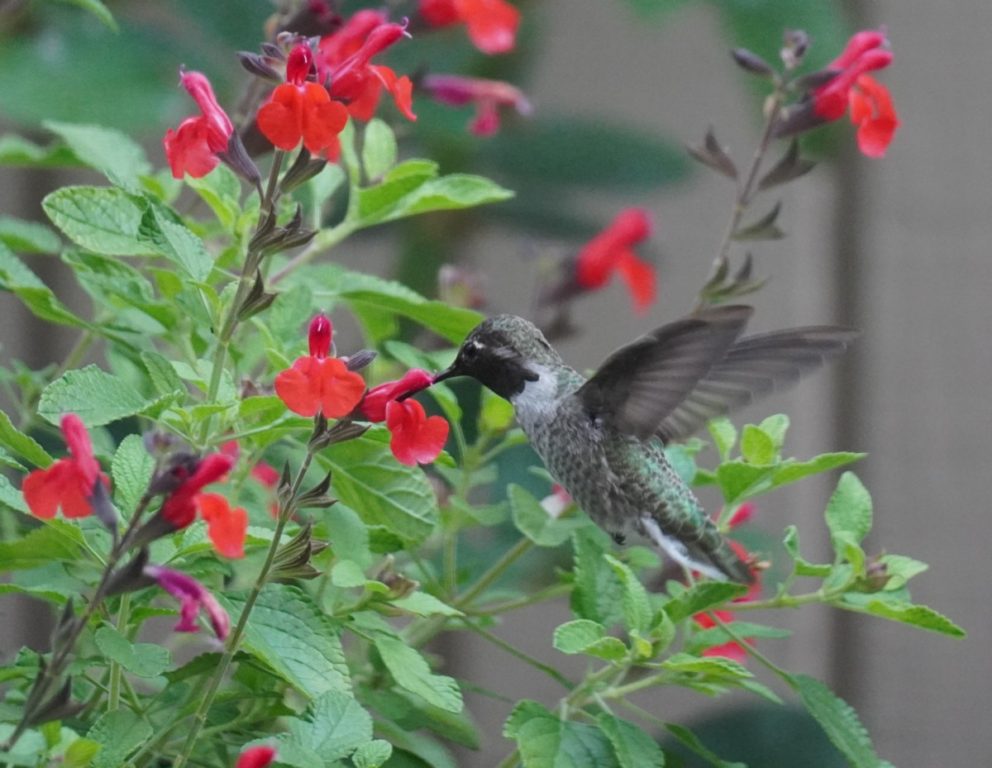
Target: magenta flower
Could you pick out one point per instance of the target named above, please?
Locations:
(487, 96)
(256, 757)
(192, 596)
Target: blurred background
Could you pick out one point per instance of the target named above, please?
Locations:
(897, 247)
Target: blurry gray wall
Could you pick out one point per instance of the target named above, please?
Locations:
(898, 247)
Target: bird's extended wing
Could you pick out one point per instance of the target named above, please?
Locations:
(639, 385)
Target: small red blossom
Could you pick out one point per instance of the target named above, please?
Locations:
(194, 146)
(226, 527)
(68, 483)
(256, 757)
(487, 96)
(611, 251)
(373, 405)
(346, 64)
(301, 110)
(192, 597)
(180, 508)
(492, 24)
(874, 114)
(318, 383)
(416, 439)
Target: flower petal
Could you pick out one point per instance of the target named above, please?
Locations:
(640, 278)
(281, 118)
(256, 757)
(492, 24)
(297, 387)
(226, 527)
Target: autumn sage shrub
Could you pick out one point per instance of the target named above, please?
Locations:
(223, 464)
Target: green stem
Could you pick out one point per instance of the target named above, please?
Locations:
(510, 760)
(548, 593)
(496, 570)
(750, 649)
(499, 642)
(116, 671)
(234, 641)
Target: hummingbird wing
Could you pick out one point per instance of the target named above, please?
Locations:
(753, 367)
(640, 384)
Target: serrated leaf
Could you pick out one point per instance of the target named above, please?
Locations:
(757, 446)
(372, 754)
(28, 236)
(21, 444)
(724, 435)
(575, 636)
(536, 524)
(131, 469)
(163, 376)
(378, 149)
(18, 151)
(547, 742)
(334, 726)
(702, 596)
(95, 396)
(849, 510)
(598, 590)
(36, 296)
(11, 496)
(424, 604)
(900, 569)
(838, 720)
(118, 732)
(775, 427)
(80, 753)
(634, 600)
(632, 746)
(791, 471)
(109, 151)
(101, 219)
(710, 666)
(738, 480)
(141, 659)
(445, 193)
(289, 633)
(411, 672)
(56, 540)
(367, 477)
(179, 245)
(915, 615)
(522, 711)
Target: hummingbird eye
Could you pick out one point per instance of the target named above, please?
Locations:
(471, 350)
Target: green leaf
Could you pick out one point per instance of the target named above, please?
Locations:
(536, 524)
(632, 746)
(372, 754)
(106, 150)
(131, 468)
(598, 590)
(221, 190)
(714, 667)
(849, 510)
(775, 427)
(702, 596)
(162, 374)
(334, 726)
(56, 540)
(18, 151)
(496, 414)
(367, 477)
(21, 444)
(523, 711)
(411, 672)
(590, 638)
(290, 634)
(98, 9)
(791, 470)
(738, 480)
(80, 753)
(101, 219)
(724, 435)
(141, 659)
(634, 600)
(179, 245)
(801, 566)
(900, 569)
(118, 732)
(378, 149)
(838, 720)
(915, 615)
(11, 496)
(412, 713)
(757, 447)
(95, 396)
(547, 742)
(424, 604)
(28, 236)
(36, 296)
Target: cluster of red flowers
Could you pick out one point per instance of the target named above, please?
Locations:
(611, 251)
(317, 383)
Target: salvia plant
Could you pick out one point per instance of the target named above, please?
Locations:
(225, 464)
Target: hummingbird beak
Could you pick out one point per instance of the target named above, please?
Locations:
(448, 373)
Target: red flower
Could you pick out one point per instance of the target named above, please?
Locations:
(492, 24)
(864, 52)
(68, 483)
(872, 111)
(610, 251)
(256, 757)
(180, 508)
(192, 596)
(226, 527)
(299, 110)
(415, 437)
(487, 96)
(318, 383)
(193, 147)
(373, 405)
(344, 59)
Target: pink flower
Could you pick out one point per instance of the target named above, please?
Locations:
(492, 24)
(416, 439)
(487, 96)
(68, 483)
(194, 146)
(192, 597)
(611, 252)
(256, 757)
(874, 114)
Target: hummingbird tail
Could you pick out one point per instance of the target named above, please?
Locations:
(717, 561)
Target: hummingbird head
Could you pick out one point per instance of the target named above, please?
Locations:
(503, 353)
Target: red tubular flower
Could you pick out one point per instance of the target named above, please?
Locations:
(194, 146)
(872, 111)
(492, 24)
(373, 405)
(487, 96)
(416, 439)
(344, 59)
(226, 527)
(317, 383)
(68, 483)
(180, 508)
(256, 757)
(610, 251)
(299, 110)
(192, 596)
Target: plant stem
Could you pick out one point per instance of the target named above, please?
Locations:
(116, 671)
(499, 642)
(496, 570)
(548, 593)
(234, 641)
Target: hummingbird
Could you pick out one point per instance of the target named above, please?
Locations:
(603, 437)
